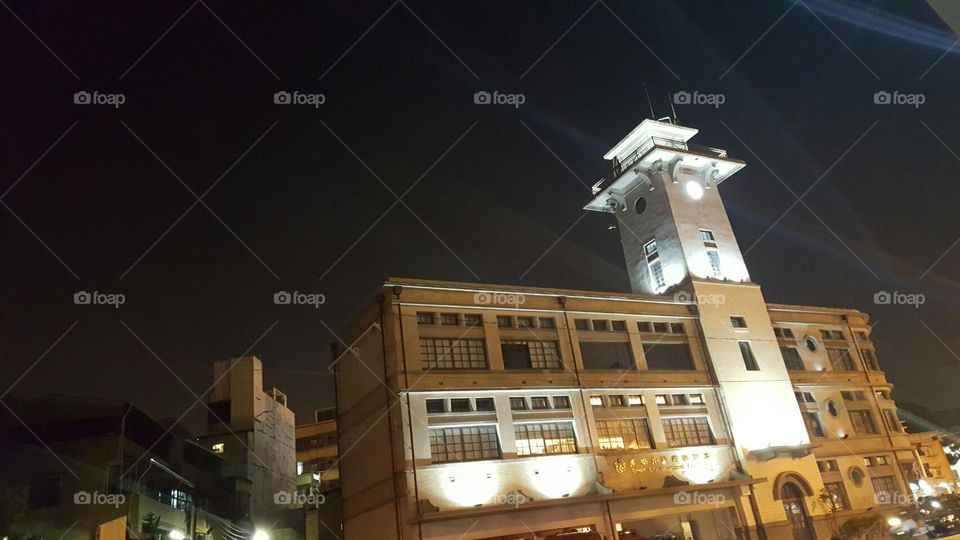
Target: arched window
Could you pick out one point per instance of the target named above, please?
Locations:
(795, 507)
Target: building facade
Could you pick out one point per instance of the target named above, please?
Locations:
(253, 430)
(689, 408)
(318, 476)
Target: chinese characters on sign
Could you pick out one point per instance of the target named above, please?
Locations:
(676, 462)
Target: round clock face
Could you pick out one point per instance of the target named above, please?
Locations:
(640, 205)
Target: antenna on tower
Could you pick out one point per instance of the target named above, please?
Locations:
(650, 103)
(672, 109)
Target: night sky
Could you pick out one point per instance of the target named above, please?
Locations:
(297, 197)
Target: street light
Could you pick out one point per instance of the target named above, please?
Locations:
(176, 535)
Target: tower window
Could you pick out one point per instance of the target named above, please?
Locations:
(749, 361)
(707, 236)
(714, 257)
(653, 264)
(738, 322)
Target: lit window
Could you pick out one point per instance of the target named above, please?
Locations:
(661, 399)
(653, 264)
(696, 399)
(714, 257)
(687, 431)
(828, 465)
(630, 434)
(299, 467)
(217, 448)
(635, 401)
(545, 438)
(838, 495)
(530, 354)
(596, 401)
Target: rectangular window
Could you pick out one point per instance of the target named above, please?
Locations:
(601, 326)
(679, 399)
(862, 423)
(441, 353)
(782, 332)
(504, 321)
(518, 404)
(695, 399)
(838, 495)
(524, 322)
(831, 334)
(804, 397)
(791, 357)
(668, 356)
(874, 461)
(893, 423)
(840, 360)
(619, 326)
(687, 431)
(882, 394)
(561, 402)
(870, 360)
(581, 324)
(749, 361)
(738, 322)
(547, 322)
(617, 401)
(714, 257)
(661, 399)
(853, 395)
(459, 405)
(596, 401)
(539, 402)
(885, 488)
(449, 319)
(473, 320)
(661, 327)
(828, 465)
(435, 406)
(424, 318)
(635, 400)
(653, 265)
(677, 328)
(545, 438)
(628, 434)
(814, 427)
(606, 355)
(217, 448)
(464, 444)
(707, 236)
(485, 404)
(530, 354)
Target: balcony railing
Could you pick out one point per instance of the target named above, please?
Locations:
(621, 165)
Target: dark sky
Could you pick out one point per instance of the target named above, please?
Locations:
(290, 208)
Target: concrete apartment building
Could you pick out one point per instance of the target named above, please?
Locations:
(690, 407)
(253, 430)
(318, 476)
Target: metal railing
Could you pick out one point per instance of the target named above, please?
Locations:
(621, 165)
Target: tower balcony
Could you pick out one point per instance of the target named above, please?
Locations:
(624, 164)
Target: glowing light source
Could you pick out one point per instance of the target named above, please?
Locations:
(694, 189)
(556, 477)
(894, 522)
(261, 535)
(471, 483)
(176, 535)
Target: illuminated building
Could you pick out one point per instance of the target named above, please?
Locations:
(318, 475)
(937, 476)
(690, 407)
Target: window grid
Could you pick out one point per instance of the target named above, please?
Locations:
(862, 423)
(886, 489)
(440, 353)
(687, 432)
(841, 360)
(629, 434)
(714, 257)
(543, 354)
(464, 444)
(545, 438)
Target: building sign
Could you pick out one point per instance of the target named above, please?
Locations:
(663, 464)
